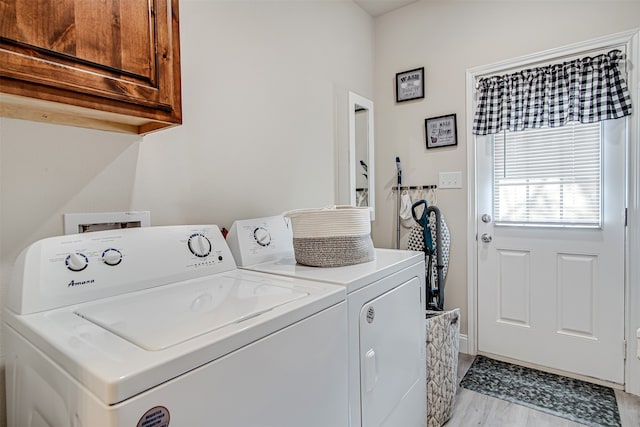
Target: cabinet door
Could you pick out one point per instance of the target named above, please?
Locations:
(120, 56)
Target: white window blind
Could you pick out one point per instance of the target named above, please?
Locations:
(549, 176)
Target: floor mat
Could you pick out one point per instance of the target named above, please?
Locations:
(576, 400)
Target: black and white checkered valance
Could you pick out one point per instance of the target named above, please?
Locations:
(586, 90)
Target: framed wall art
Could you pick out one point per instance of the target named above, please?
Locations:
(410, 85)
(441, 131)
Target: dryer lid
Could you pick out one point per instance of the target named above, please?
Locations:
(169, 316)
(353, 277)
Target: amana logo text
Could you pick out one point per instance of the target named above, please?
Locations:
(80, 282)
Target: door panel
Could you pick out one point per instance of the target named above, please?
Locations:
(554, 296)
(514, 287)
(110, 49)
(391, 355)
(577, 279)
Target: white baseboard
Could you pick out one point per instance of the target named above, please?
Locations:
(464, 344)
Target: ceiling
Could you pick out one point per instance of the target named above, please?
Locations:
(380, 7)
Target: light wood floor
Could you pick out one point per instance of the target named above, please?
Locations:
(475, 409)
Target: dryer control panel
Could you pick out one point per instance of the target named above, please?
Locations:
(66, 270)
(253, 241)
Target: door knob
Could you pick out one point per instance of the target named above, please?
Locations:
(486, 237)
(486, 218)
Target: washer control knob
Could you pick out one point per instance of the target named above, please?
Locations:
(262, 236)
(76, 261)
(112, 256)
(199, 245)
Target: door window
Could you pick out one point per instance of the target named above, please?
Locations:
(549, 176)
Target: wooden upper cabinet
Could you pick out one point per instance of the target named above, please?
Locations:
(105, 64)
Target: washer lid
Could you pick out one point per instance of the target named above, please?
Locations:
(174, 315)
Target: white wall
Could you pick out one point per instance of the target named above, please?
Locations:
(265, 88)
(447, 38)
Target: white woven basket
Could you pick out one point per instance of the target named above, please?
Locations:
(332, 237)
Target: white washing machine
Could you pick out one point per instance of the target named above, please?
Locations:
(157, 327)
(385, 297)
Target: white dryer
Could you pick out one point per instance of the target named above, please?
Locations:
(385, 297)
(157, 327)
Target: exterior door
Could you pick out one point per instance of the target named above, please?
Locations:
(553, 295)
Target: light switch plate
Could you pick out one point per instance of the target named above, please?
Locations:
(450, 180)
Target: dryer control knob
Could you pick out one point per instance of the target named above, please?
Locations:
(262, 236)
(76, 261)
(112, 256)
(199, 245)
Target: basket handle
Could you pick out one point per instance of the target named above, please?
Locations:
(294, 212)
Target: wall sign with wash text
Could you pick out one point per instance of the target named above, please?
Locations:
(410, 85)
(441, 131)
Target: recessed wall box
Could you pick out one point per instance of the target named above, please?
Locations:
(97, 221)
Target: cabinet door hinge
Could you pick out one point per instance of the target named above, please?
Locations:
(626, 217)
(624, 349)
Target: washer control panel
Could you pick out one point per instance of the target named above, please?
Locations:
(64, 270)
(253, 241)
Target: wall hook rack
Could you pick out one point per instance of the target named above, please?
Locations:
(414, 187)
(394, 189)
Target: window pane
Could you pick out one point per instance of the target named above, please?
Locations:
(549, 176)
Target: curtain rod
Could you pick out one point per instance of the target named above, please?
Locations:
(561, 58)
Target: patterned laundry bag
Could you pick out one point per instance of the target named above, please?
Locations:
(442, 332)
